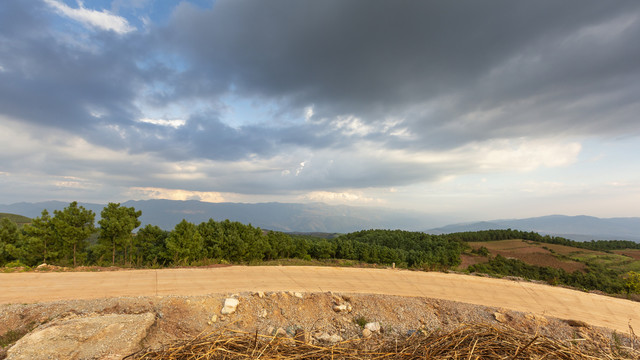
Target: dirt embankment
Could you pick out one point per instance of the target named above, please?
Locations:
(324, 317)
(329, 304)
(597, 310)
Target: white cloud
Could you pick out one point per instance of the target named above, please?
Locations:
(301, 167)
(525, 155)
(346, 197)
(175, 123)
(103, 20)
(176, 194)
(308, 113)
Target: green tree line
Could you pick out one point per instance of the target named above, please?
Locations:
(69, 238)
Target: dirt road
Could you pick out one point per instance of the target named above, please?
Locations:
(597, 310)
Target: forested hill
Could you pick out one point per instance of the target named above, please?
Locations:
(69, 237)
(18, 219)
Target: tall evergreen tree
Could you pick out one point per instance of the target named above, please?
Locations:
(116, 225)
(74, 224)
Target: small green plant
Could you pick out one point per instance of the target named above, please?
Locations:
(361, 321)
(15, 264)
(616, 341)
(14, 335)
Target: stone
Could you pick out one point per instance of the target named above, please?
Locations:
(332, 339)
(502, 318)
(230, 305)
(110, 336)
(340, 307)
(263, 313)
(366, 333)
(259, 294)
(298, 295)
(372, 326)
(214, 318)
(281, 332)
(577, 323)
(271, 330)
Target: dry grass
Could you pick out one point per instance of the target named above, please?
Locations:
(467, 342)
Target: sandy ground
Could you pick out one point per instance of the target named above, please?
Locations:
(598, 310)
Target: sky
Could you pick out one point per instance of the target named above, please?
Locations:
(474, 109)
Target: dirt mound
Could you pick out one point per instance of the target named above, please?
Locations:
(326, 318)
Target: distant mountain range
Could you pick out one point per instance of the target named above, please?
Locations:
(319, 217)
(579, 228)
(287, 217)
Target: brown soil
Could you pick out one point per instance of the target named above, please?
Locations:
(468, 260)
(531, 253)
(594, 309)
(634, 254)
(183, 317)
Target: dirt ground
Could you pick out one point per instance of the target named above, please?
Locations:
(597, 310)
(531, 254)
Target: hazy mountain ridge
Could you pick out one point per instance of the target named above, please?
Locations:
(580, 228)
(320, 217)
(288, 217)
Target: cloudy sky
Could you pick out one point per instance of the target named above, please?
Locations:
(478, 109)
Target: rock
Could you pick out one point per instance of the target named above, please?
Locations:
(372, 326)
(281, 332)
(502, 318)
(230, 305)
(259, 294)
(577, 323)
(214, 318)
(332, 339)
(366, 333)
(263, 313)
(43, 265)
(298, 295)
(342, 307)
(110, 336)
(301, 336)
(271, 330)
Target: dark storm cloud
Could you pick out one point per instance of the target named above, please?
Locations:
(454, 72)
(384, 58)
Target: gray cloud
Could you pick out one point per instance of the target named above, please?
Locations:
(449, 73)
(375, 59)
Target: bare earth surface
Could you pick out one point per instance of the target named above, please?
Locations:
(556, 302)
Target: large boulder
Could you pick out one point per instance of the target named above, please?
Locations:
(110, 337)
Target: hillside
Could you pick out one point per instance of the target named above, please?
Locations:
(579, 228)
(18, 219)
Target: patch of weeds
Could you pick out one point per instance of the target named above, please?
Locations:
(11, 336)
(616, 341)
(361, 321)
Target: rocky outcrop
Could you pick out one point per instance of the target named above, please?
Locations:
(97, 337)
